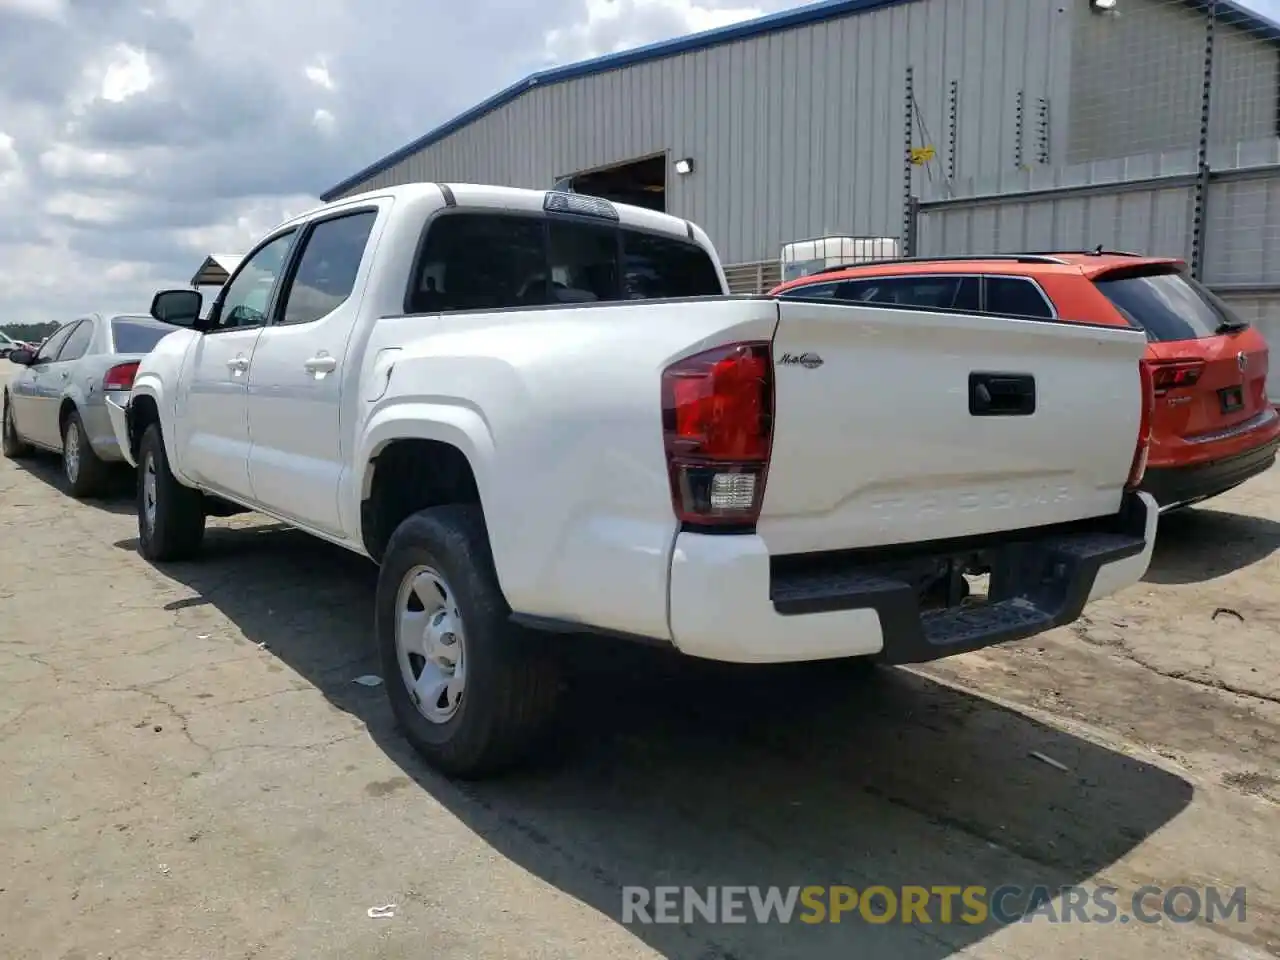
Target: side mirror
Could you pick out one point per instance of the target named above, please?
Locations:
(179, 308)
(22, 356)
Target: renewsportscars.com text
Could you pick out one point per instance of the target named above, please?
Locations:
(971, 905)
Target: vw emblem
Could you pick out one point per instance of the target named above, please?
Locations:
(1242, 361)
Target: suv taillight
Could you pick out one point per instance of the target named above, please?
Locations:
(120, 377)
(1139, 466)
(1169, 375)
(717, 424)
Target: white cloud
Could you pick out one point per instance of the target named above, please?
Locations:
(319, 74)
(66, 161)
(324, 120)
(126, 75)
(11, 173)
(43, 9)
(609, 26)
(250, 224)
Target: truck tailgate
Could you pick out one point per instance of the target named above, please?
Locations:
(902, 426)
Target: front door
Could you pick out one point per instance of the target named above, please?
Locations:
(300, 372)
(36, 392)
(213, 417)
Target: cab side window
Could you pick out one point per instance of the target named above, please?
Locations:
(78, 343)
(51, 346)
(244, 301)
(327, 269)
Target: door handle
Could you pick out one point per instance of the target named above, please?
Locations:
(1002, 394)
(322, 363)
(238, 364)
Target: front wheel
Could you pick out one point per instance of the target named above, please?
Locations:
(170, 514)
(472, 692)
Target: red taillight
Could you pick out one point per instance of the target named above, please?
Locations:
(1139, 466)
(120, 377)
(717, 423)
(1174, 374)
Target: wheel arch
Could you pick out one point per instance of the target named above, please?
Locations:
(415, 457)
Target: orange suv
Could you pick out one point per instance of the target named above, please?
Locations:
(1213, 426)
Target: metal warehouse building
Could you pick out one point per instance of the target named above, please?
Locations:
(959, 126)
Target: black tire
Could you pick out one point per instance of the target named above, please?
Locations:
(14, 447)
(86, 474)
(512, 680)
(178, 526)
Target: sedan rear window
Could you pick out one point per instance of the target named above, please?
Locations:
(1169, 306)
(137, 335)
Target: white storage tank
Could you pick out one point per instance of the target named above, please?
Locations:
(803, 257)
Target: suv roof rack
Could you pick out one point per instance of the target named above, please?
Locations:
(1098, 251)
(1010, 257)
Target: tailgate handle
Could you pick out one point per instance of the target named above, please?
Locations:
(1002, 394)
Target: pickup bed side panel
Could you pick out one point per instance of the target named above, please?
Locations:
(881, 443)
(559, 413)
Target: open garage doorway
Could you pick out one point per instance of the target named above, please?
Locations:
(641, 183)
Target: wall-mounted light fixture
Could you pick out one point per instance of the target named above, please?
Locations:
(685, 166)
(1102, 6)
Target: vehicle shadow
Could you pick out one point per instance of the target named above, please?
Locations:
(675, 772)
(117, 495)
(1201, 544)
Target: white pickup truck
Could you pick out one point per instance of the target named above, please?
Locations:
(540, 413)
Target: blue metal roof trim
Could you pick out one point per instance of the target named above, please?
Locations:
(1228, 13)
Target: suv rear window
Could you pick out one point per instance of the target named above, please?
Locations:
(488, 261)
(1168, 306)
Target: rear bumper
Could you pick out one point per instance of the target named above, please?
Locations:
(117, 413)
(1174, 486)
(731, 601)
(97, 423)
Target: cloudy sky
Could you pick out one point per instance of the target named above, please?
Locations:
(137, 136)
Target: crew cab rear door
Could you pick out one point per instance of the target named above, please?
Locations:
(905, 425)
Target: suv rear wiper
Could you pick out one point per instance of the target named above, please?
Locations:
(1232, 326)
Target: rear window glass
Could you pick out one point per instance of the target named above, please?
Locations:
(137, 336)
(1169, 306)
(482, 261)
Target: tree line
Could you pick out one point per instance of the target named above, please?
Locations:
(29, 332)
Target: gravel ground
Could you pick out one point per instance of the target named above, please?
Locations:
(189, 771)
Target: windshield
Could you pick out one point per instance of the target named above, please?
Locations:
(135, 335)
(1169, 306)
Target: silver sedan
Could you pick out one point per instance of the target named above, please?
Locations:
(58, 401)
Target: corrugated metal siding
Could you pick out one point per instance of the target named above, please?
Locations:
(1242, 235)
(1155, 221)
(1136, 81)
(795, 134)
(1264, 313)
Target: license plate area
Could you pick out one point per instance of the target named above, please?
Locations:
(1231, 399)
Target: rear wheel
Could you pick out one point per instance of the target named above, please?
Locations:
(15, 448)
(84, 471)
(472, 692)
(170, 515)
